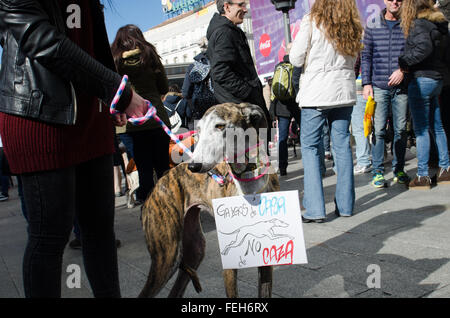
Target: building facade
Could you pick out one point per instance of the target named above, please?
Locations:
(178, 39)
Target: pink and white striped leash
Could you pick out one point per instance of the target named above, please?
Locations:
(151, 113)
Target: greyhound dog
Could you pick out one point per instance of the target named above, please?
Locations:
(171, 213)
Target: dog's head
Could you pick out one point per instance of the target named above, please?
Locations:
(225, 130)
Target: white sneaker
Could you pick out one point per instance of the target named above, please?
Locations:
(3, 197)
(360, 170)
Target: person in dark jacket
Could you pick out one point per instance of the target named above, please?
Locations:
(285, 111)
(58, 136)
(233, 72)
(198, 72)
(383, 80)
(139, 59)
(426, 31)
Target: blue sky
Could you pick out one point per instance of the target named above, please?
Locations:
(144, 13)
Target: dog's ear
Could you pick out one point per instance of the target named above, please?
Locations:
(254, 116)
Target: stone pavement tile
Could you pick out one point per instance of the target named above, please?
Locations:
(320, 256)
(436, 236)
(443, 292)
(420, 257)
(11, 257)
(317, 233)
(8, 287)
(373, 293)
(132, 280)
(369, 237)
(295, 281)
(440, 276)
(213, 285)
(134, 251)
(395, 280)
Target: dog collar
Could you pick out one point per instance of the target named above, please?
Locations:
(220, 179)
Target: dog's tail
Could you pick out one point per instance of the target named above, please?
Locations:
(163, 229)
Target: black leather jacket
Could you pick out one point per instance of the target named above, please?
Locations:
(42, 69)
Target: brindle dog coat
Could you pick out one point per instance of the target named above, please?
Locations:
(171, 213)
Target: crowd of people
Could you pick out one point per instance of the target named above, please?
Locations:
(64, 156)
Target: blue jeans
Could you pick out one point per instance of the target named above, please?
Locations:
(283, 131)
(395, 100)
(362, 149)
(128, 142)
(423, 97)
(312, 142)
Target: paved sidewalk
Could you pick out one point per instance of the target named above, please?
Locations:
(405, 233)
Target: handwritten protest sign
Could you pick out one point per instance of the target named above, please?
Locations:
(260, 230)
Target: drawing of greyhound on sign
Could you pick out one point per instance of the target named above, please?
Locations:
(219, 168)
(264, 229)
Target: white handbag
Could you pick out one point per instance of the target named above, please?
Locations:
(175, 119)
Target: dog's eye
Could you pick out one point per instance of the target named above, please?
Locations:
(220, 126)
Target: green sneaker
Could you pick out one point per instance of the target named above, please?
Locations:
(401, 177)
(378, 180)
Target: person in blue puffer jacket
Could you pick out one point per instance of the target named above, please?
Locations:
(384, 81)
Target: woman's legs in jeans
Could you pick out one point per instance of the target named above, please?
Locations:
(52, 199)
(312, 121)
(423, 101)
(311, 136)
(339, 120)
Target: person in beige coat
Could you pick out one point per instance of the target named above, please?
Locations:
(327, 46)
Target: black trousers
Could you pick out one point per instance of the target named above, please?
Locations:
(151, 152)
(53, 199)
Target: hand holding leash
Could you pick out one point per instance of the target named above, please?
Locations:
(135, 111)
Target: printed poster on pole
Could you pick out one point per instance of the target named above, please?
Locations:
(268, 28)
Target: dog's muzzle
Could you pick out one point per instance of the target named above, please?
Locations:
(195, 166)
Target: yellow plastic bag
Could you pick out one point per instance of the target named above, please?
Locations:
(368, 116)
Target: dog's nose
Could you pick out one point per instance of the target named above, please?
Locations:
(195, 166)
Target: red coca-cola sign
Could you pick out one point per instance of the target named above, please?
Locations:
(265, 45)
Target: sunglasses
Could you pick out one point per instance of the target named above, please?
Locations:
(240, 4)
(396, 0)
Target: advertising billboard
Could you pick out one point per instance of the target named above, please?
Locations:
(268, 28)
(174, 8)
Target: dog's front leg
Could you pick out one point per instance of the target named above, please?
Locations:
(230, 280)
(265, 281)
(193, 253)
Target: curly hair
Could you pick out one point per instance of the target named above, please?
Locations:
(409, 11)
(341, 24)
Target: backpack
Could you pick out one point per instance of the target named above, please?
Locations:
(203, 92)
(282, 85)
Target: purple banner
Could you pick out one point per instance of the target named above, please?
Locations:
(268, 28)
